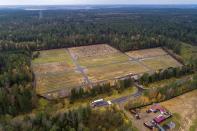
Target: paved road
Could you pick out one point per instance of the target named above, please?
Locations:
(126, 98)
(123, 99)
(79, 68)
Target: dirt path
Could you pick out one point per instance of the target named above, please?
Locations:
(80, 69)
(139, 62)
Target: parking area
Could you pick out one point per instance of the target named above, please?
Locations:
(154, 117)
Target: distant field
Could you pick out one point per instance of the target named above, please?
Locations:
(64, 69)
(92, 50)
(146, 53)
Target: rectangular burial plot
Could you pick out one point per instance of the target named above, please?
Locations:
(103, 60)
(145, 53)
(50, 67)
(58, 81)
(53, 61)
(111, 71)
(97, 55)
(161, 62)
(55, 71)
(92, 50)
(57, 55)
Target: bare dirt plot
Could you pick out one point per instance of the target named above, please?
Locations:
(139, 54)
(184, 105)
(103, 60)
(161, 62)
(92, 50)
(58, 81)
(112, 71)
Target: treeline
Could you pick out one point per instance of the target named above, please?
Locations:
(166, 74)
(155, 95)
(123, 29)
(81, 119)
(105, 88)
(17, 94)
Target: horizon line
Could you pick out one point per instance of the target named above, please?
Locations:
(96, 4)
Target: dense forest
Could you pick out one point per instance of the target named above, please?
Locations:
(81, 119)
(16, 89)
(122, 28)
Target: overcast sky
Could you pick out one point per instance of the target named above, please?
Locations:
(69, 2)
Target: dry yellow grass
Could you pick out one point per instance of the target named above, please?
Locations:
(161, 62)
(92, 50)
(103, 60)
(55, 70)
(58, 81)
(139, 54)
(114, 71)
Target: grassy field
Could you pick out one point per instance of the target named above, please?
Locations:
(185, 106)
(50, 56)
(56, 81)
(114, 71)
(55, 70)
(146, 53)
(102, 60)
(161, 62)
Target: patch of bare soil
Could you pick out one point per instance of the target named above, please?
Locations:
(92, 50)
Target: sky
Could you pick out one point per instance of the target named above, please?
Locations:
(73, 2)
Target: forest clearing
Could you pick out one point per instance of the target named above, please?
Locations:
(60, 70)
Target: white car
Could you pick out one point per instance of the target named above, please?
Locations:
(100, 102)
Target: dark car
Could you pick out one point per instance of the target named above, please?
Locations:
(150, 124)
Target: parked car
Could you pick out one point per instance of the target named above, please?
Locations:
(150, 124)
(100, 102)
